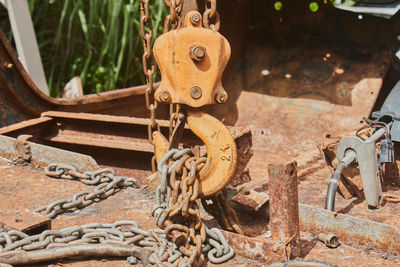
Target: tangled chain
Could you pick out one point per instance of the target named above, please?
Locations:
(154, 241)
(178, 209)
(223, 212)
(107, 184)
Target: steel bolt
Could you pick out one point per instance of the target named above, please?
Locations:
(165, 96)
(195, 92)
(195, 18)
(221, 97)
(6, 66)
(198, 53)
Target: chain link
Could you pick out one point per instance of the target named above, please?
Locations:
(173, 20)
(146, 27)
(178, 209)
(155, 241)
(223, 212)
(107, 184)
(211, 18)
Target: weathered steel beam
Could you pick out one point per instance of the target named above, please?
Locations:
(351, 230)
(114, 141)
(284, 207)
(43, 155)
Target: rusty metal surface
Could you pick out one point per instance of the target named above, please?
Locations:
(298, 76)
(284, 208)
(22, 100)
(25, 222)
(351, 230)
(251, 198)
(112, 140)
(322, 80)
(42, 155)
(20, 181)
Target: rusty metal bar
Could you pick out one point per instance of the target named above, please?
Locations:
(351, 230)
(253, 248)
(86, 250)
(284, 208)
(112, 140)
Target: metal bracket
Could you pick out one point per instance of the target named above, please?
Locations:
(367, 158)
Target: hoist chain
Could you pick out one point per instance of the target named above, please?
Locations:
(149, 68)
(174, 18)
(178, 207)
(105, 180)
(221, 209)
(211, 18)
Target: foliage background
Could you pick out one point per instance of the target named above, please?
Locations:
(97, 40)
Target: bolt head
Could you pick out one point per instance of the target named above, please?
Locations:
(195, 18)
(195, 92)
(221, 97)
(198, 53)
(165, 96)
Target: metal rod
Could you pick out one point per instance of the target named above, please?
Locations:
(86, 250)
(284, 207)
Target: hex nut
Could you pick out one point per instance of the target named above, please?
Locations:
(198, 53)
(165, 96)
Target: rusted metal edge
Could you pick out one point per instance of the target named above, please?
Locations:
(25, 222)
(99, 97)
(254, 248)
(351, 230)
(22, 99)
(44, 155)
(101, 118)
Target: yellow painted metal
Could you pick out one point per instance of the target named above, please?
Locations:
(161, 145)
(221, 152)
(187, 80)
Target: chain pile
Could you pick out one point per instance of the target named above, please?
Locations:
(178, 209)
(107, 184)
(153, 245)
(222, 211)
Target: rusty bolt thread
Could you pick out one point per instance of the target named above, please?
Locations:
(195, 18)
(195, 92)
(198, 53)
(6, 66)
(165, 96)
(221, 97)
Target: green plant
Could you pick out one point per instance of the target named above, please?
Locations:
(97, 40)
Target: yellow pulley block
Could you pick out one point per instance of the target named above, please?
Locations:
(192, 60)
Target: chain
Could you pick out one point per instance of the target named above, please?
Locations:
(146, 27)
(223, 212)
(211, 18)
(173, 19)
(127, 233)
(178, 209)
(107, 184)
